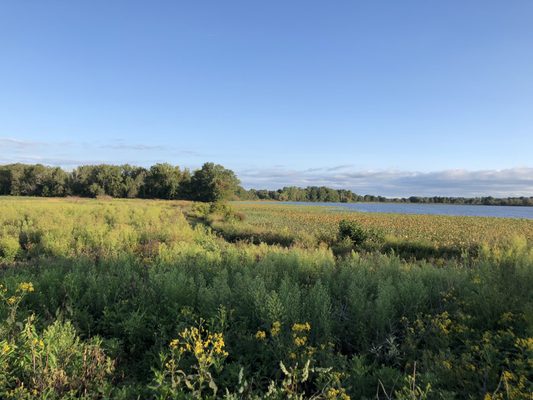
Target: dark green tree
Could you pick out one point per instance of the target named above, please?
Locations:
(162, 181)
(214, 183)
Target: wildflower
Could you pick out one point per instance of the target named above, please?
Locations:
(292, 356)
(276, 328)
(260, 335)
(218, 344)
(300, 341)
(198, 347)
(26, 287)
(6, 348)
(305, 327)
(332, 393)
(12, 300)
(174, 343)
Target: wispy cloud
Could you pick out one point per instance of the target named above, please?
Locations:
(53, 161)
(11, 143)
(135, 147)
(73, 153)
(458, 182)
(142, 147)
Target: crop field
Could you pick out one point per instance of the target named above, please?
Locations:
(147, 299)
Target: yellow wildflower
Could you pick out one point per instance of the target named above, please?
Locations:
(12, 300)
(276, 328)
(26, 287)
(300, 341)
(198, 347)
(332, 393)
(6, 348)
(260, 335)
(305, 327)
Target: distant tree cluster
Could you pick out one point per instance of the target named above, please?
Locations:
(485, 201)
(325, 194)
(212, 182)
(311, 193)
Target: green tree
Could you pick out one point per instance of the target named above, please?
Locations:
(213, 182)
(162, 181)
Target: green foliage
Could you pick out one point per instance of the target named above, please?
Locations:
(9, 248)
(115, 283)
(163, 181)
(52, 364)
(213, 183)
(353, 231)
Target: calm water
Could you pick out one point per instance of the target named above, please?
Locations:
(434, 209)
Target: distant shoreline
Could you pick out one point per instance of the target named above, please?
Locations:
(499, 202)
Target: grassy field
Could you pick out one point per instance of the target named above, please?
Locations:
(145, 299)
(312, 225)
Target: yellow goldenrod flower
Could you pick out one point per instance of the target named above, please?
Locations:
(334, 394)
(6, 348)
(26, 287)
(300, 341)
(198, 347)
(260, 335)
(276, 328)
(305, 327)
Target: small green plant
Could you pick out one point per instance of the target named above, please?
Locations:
(411, 390)
(353, 231)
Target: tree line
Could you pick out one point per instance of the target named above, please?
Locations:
(211, 182)
(325, 194)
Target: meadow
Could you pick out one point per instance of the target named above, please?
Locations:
(407, 234)
(147, 299)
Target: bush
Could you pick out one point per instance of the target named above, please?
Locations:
(9, 247)
(353, 231)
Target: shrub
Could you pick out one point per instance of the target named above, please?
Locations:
(9, 247)
(353, 231)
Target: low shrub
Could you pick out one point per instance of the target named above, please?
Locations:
(9, 248)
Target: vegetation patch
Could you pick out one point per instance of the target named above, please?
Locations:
(127, 299)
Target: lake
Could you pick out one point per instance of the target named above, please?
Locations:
(433, 209)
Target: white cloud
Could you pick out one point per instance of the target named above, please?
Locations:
(457, 182)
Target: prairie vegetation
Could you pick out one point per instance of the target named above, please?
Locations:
(408, 235)
(146, 299)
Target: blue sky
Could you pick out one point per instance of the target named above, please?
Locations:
(383, 97)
